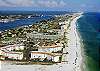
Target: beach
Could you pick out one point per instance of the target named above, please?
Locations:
(73, 58)
(74, 47)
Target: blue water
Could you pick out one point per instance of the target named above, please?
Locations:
(23, 22)
(33, 12)
(89, 29)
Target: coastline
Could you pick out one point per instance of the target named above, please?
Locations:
(82, 52)
(89, 53)
(74, 47)
(74, 57)
(83, 67)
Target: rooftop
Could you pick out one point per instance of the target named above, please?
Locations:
(51, 54)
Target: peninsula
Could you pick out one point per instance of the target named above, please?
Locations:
(53, 42)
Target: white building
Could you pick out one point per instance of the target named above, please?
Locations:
(53, 48)
(64, 26)
(19, 47)
(43, 55)
(61, 23)
(43, 36)
(14, 55)
(14, 47)
(7, 52)
(1, 55)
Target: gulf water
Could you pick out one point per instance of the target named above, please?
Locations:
(88, 27)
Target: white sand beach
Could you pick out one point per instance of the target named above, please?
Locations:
(74, 57)
(74, 48)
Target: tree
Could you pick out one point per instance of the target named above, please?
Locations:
(0, 38)
(29, 44)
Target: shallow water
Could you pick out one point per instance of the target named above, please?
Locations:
(88, 27)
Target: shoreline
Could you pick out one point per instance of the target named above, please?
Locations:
(74, 47)
(82, 50)
(74, 57)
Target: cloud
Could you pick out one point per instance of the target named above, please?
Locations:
(15, 3)
(32, 3)
(49, 3)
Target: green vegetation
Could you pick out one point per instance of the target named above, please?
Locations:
(60, 58)
(29, 45)
(19, 36)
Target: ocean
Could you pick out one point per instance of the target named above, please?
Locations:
(88, 27)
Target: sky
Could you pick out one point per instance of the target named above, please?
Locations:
(51, 5)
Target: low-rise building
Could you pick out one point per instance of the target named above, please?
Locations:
(11, 55)
(13, 47)
(2, 57)
(45, 55)
(43, 36)
(51, 48)
(14, 55)
(7, 52)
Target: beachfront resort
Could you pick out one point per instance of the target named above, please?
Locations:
(46, 42)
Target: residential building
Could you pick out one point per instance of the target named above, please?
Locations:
(42, 55)
(43, 36)
(51, 48)
(8, 52)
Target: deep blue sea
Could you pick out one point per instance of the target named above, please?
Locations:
(89, 28)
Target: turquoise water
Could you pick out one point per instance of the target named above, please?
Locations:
(89, 29)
